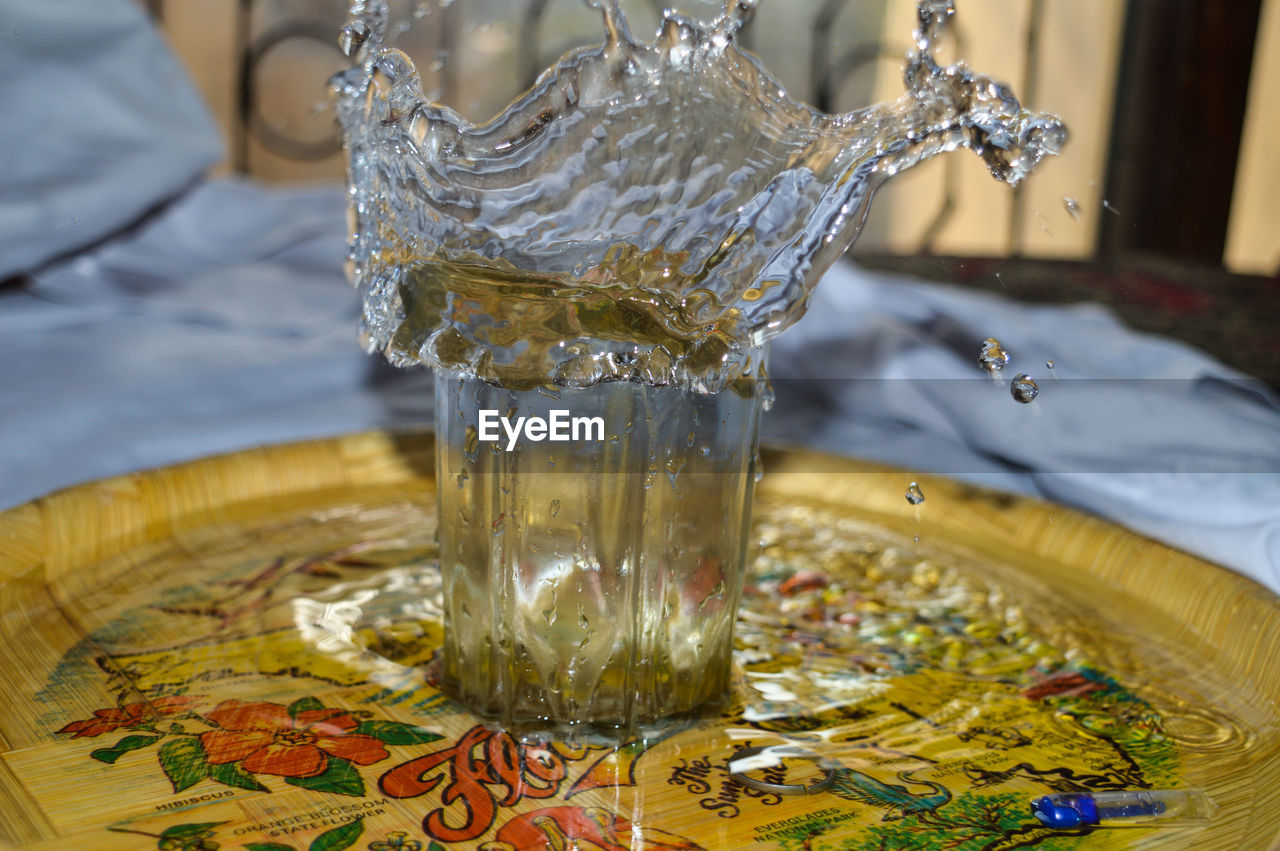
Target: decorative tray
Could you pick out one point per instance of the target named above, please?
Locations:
(238, 653)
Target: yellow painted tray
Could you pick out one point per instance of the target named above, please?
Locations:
(237, 653)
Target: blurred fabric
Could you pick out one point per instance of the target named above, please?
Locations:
(100, 124)
(1142, 430)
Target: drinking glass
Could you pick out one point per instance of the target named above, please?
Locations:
(592, 568)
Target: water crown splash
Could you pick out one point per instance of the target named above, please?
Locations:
(645, 212)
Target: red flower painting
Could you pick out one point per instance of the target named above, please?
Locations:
(128, 717)
(265, 739)
(305, 743)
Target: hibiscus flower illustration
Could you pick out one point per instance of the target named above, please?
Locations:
(130, 717)
(265, 739)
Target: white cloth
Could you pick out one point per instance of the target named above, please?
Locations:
(1142, 430)
(98, 124)
(226, 323)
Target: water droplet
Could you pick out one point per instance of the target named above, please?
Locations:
(499, 525)
(915, 496)
(736, 15)
(1024, 389)
(1049, 364)
(472, 444)
(1073, 207)
(352, 37)
(1110, 207)
(393, 67)
(555, 507)
(993, 357)
(582, 371)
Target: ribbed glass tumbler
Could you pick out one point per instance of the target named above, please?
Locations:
(592, 543)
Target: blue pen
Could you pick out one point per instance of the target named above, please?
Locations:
(1143, 808)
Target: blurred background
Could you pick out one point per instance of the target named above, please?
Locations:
(1165, 207)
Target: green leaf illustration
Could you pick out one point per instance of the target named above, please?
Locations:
(184, 762)
(269, 846)
(304, 704)
(231, 774)
(189, 831)
(340, 778)
(122, 747)
(435, 846)
(395, 733)
(338, 838)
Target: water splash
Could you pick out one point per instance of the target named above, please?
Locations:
(352, 37)
(1024, 389)
(915, 495)
(662, 207)
(993, 358)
